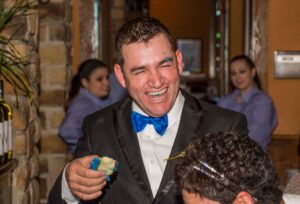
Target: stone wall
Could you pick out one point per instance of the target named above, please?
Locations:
(55, 59)
(26, 122)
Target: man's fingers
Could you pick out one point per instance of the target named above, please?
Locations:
(84, 181)
(86, 161)
(87, 189)
(84, 196)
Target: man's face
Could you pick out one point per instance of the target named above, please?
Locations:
(151, 73)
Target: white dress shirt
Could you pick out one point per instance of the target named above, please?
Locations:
(155, 149)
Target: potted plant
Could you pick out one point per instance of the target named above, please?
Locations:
(12, 64)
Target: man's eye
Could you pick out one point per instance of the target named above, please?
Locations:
(166, 65)
(138, 72)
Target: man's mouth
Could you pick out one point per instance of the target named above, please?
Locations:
(157, 93)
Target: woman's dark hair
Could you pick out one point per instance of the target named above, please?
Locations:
(249, 62)
(84, 72)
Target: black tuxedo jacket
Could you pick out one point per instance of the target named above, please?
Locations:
(109, 132)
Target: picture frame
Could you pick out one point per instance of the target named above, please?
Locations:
(191, 50)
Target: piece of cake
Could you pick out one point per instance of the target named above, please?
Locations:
(108, 165)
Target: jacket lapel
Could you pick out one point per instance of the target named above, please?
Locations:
(190, 122)
(130, 146)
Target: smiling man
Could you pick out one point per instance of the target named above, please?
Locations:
(154, 123)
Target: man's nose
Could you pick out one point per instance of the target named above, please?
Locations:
(155, 79)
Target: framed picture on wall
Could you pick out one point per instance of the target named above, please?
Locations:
(191, 53)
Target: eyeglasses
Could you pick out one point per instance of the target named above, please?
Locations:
(212, 173)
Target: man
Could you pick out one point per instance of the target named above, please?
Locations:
(149, 66)
(227, 167)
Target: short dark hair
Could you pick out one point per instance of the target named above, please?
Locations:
(140, 29)
(236, 156)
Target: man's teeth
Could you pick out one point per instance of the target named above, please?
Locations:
(158, 93)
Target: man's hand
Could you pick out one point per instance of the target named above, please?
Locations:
(85, 183)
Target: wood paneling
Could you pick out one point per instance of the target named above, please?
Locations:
(284, 155)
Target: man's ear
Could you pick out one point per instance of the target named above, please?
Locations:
(119, 74)
(243, 198)
(179, 61)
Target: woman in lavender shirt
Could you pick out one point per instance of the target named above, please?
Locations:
(92, 89)
(247, 98)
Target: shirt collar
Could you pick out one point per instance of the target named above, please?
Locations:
(172, 114)
(248, 94)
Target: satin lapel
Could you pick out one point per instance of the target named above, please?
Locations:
(130, 146)
(190, 122)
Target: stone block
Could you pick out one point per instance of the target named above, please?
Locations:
(57, 32)
(56, 118)
(119, 3)
(43, 165)
(21, 175)
(44, 76)
(57, 76)
(38, 130)
(30, 131)
(22, 49)
(53, 53)
(52, 11)
(34, 164)
(32, 20)
(19, 196)
(43, 187)
(53, 145)
(19, 144)
(34, 192)
(43, 119)
(53, 98)
(20, 119)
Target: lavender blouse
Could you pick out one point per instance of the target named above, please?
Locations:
(259, 110)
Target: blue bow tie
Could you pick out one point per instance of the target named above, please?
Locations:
(140, 121)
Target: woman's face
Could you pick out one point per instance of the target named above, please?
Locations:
(242, 75)
(98, 82)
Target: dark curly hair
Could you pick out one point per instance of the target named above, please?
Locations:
(236, 156)
(140, 30)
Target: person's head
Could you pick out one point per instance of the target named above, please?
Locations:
(244, 173)
(243, 72)
(94, 77)
(148, 64)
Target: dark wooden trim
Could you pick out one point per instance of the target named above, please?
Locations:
(105, 32)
